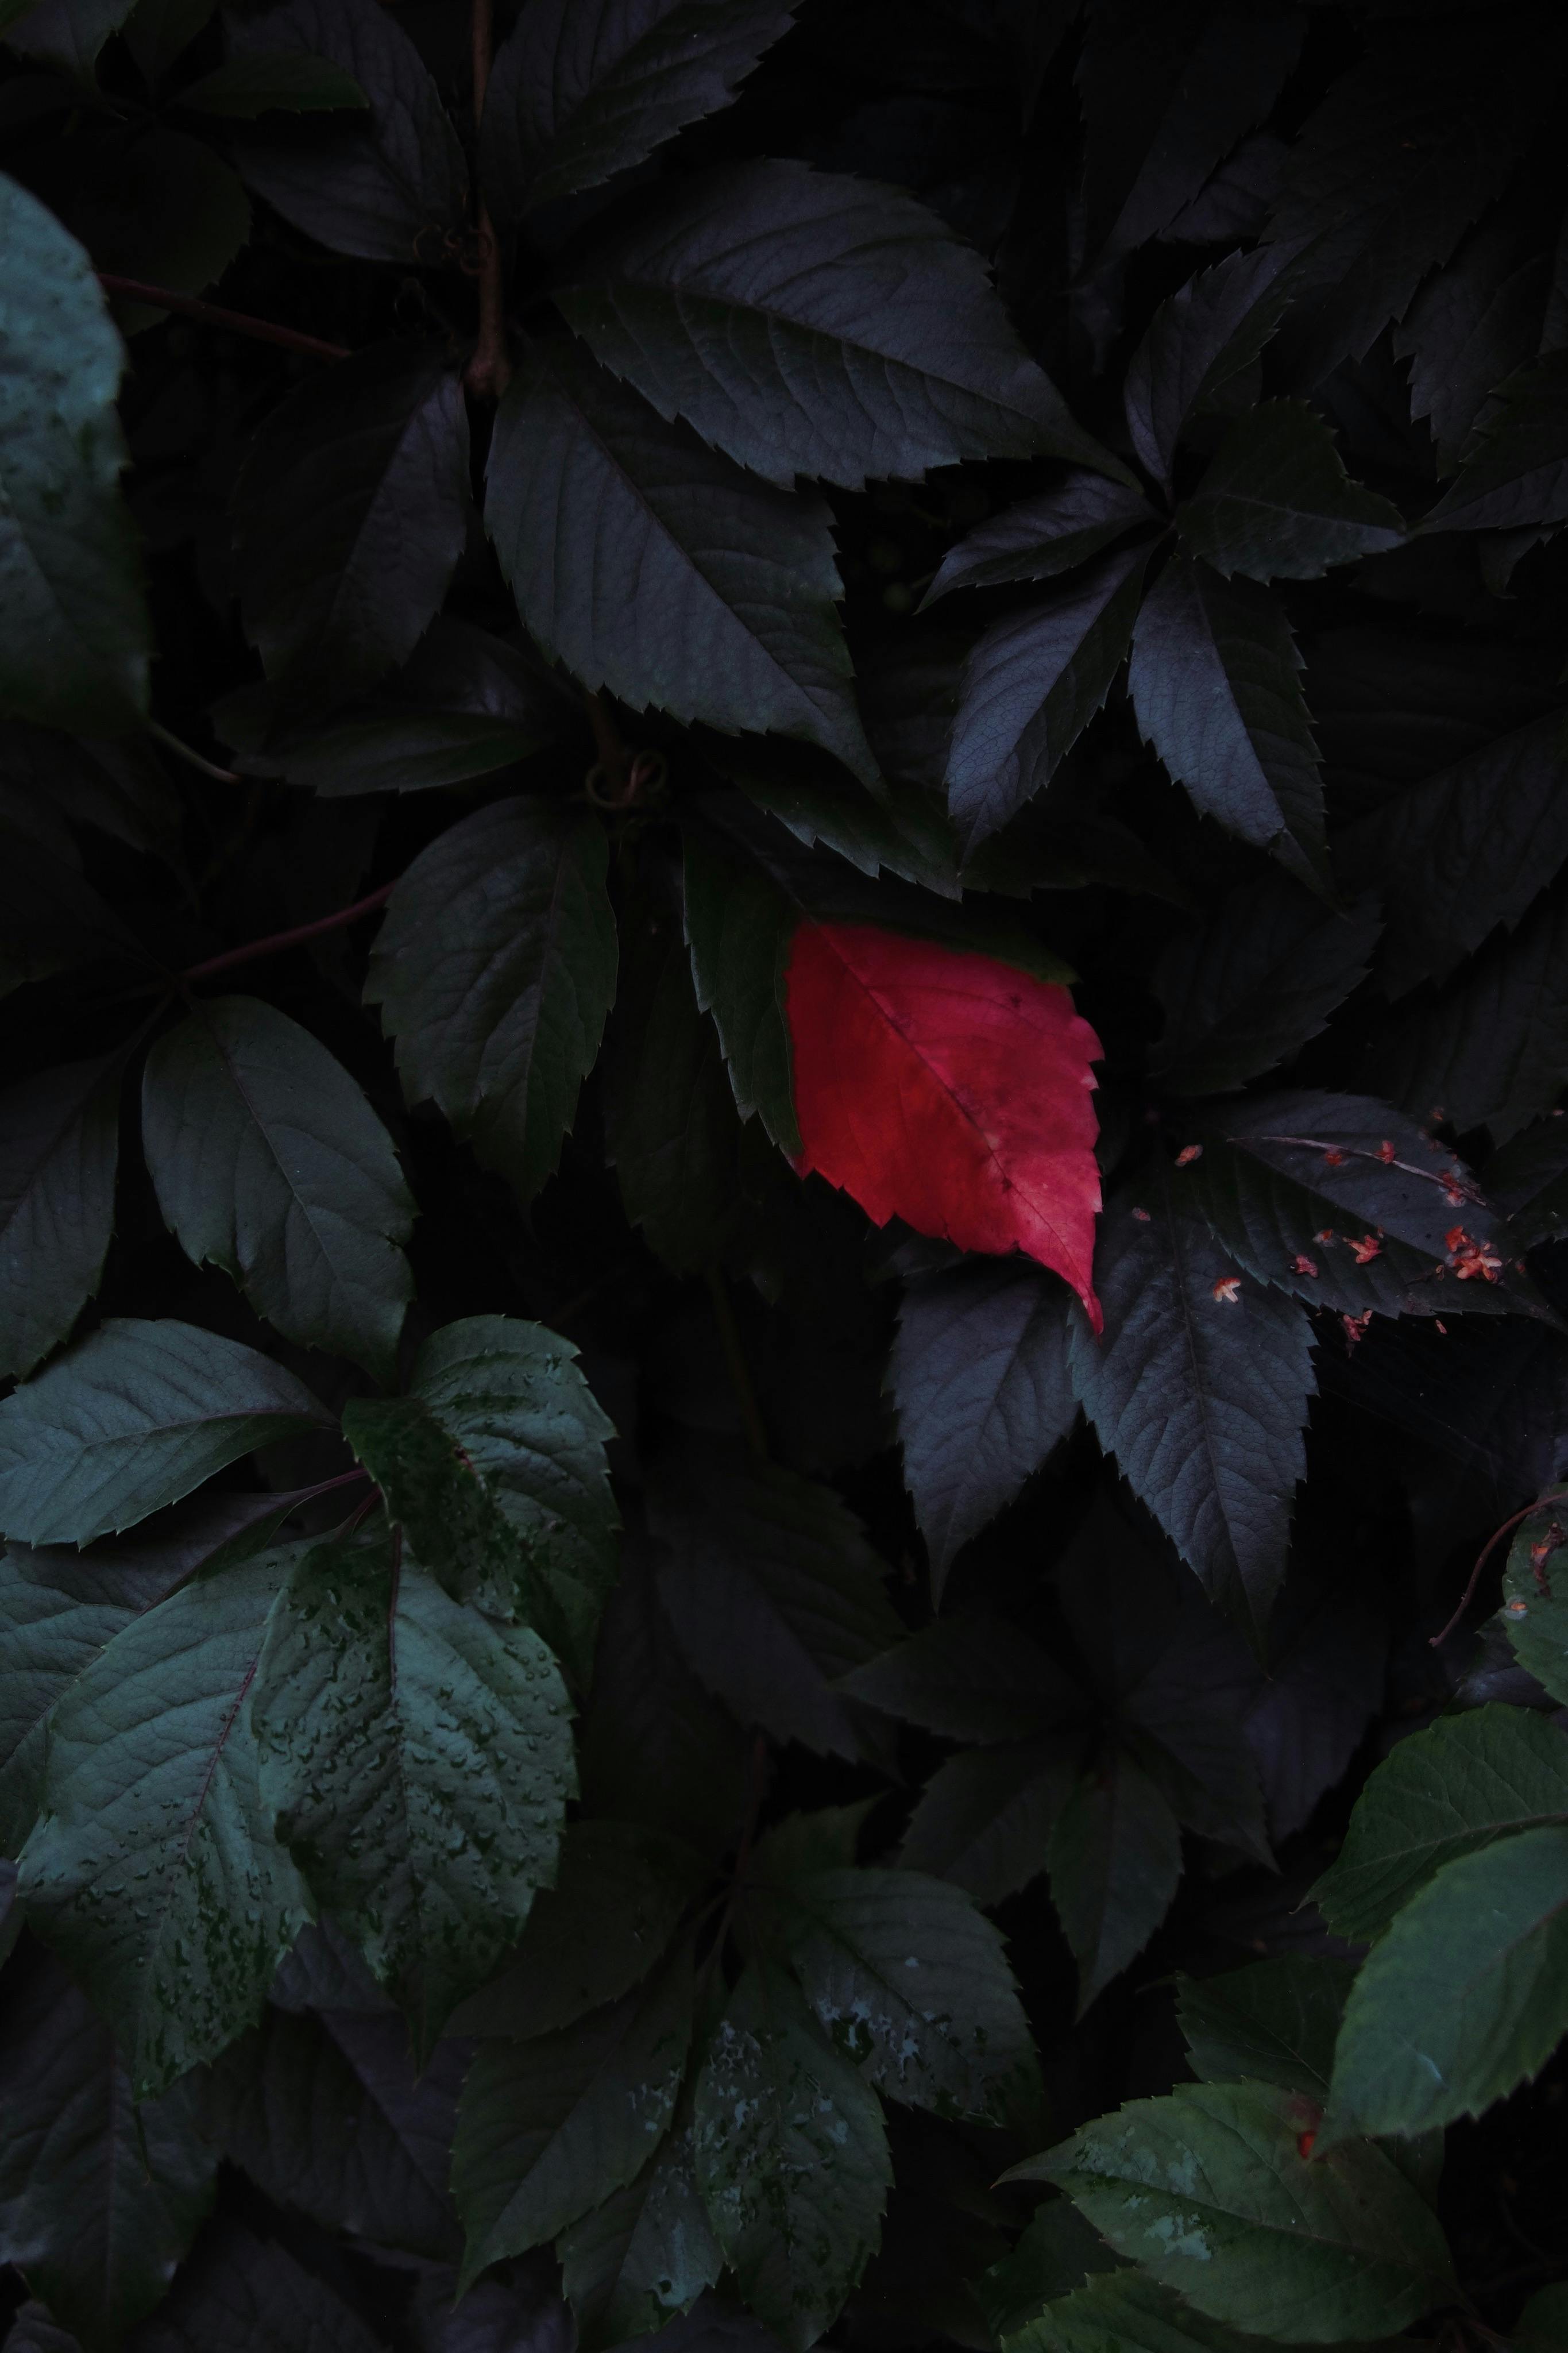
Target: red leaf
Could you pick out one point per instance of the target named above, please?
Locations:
(942, 1087)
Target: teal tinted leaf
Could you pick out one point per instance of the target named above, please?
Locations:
(153, 1871)
(60, 1607)
(644, 2255)
(495, 968)
(1517, 474)
(1124, 2309)
(903, 832)
(650, 564)
(670, 1117)
(738, 927)
(326, 2115)
(773, 1593)
(1464, 1999)
(76, 632)
(98, 2198)
(350, 517)
(238, 2290)
(580, 92)
(1042, 536)
(1216, 683)
(268, 1160)
(911, 1981)
(273, 81)
(618, 1897)
(1276, 501)
(978, 1377)
(549, 2128)
(1535, 1601)
(419, 1758)
(387, 184)
(1200, 1392)
(59, 1147)
(1463, 1782)
(806, 322)
(792, 2159)
(495, 1464)
(1198, 340)
(1248, 987)
(980, 1679)
(161, 208)
(1274, 2022)
(1032, 683)
(1207, 2192)
(984, 1818)
(131, 1419)
(1115, 1858)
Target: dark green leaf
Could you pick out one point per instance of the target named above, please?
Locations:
(911, 1981)
(350, 517)
(1042, 536)
(419, 1758)
(644, 2255)
(495, 1464)
(1517, 474)
(1200, 1387)
(980, 1679)
(67, 33)
(1544, 2320)
(131, 1419)
(583, 91)
(60, 1607)
(238, 2290)
(73, 615)
(792, 2159)
(738, 927)
(153, 1871)
(390, 186)
(654, 1747)
(548, 2128)
(1216, 683)
(1276, 501)
(670, 1117)
(273, 81)
(1208, 2193)
(617, 1900)
(1526, 1181)
(652, 566)
(159, 32)
(1465, 1782)
(1055, 2254)
(985, 1818)
(979, 1382)
(495, 968)
(1032, 683)
(1247, 990)
(1463, 852)
(268, 1160)
(1272, 2023)
(1115, 1857)
(1535, 1601)
(98, 2198)
(773, 1593)
(1464, 1999)
(325, 2114)
(1197, 341)
(1133, 2313)
(809, 323)
(1394, 164)
(60, 1145)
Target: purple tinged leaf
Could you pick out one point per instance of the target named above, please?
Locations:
(1042, 536)
(1199, 337)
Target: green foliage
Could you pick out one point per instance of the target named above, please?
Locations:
(603, 602)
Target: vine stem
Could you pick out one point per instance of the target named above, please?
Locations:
(489, 371)
(213, 314)
(275, 942)
(161, 735)
(1561, 1496)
